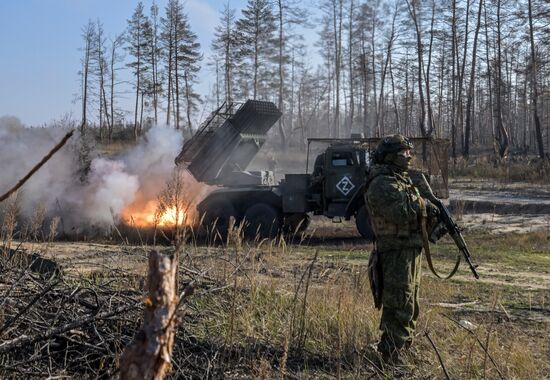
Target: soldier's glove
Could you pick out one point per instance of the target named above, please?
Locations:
(432, 210)
(436, 227)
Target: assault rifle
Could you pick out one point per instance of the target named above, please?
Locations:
(423, 186)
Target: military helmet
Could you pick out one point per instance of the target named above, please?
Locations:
(391, 144)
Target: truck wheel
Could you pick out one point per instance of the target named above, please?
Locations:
(217, 217)
(296, 223)
(362, 222)
(263, 221)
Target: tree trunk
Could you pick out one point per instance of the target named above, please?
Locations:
(337, 28)
(468, 126)
(350, 67)
(169, 74)
(281, 75)
(419, 50)
(503, 137)
(188, 102)
(379, 128)
(534, 90)
(394, 101)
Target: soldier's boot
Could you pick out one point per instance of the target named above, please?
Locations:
(392, 358)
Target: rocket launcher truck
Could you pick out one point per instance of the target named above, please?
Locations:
(227, 142)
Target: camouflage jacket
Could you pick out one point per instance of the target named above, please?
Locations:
(393, 204)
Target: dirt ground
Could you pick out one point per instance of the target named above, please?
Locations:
(327, 235)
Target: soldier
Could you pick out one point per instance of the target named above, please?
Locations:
(396, 209)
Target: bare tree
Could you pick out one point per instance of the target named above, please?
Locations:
(534, 86)
(139, 33)
(115, 58)
(224, 45)
(502, 136)
(155, 56)
(101, 67)
(469, 101)
(412, 5)
(89, 37)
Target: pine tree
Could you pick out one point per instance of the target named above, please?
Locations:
(139, 36)
(182, 59)
(256, 31)
(224, 47)
(187, 65)
(89, 37)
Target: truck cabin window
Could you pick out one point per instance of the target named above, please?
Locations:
(340, 159)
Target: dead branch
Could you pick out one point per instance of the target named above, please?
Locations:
(149, 355)
(37, 166)
(29, 305)
(24, 340)
(438, 356)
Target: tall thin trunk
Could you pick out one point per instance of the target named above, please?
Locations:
(350, 67)
(430, 128)
(468, 127)
(394, 100)
(373, 65)
(419, 50)
(176, 74)
(141, 113)
(337, 29)
(154, 61)
(379, 118)
(169, 73)
(256, 63)
(534, 91)
(454, 61)
(188, 101)
(364, 71)
(503, 138)
(461, 70)
(88, 38)
(281, 74)
(489, 80)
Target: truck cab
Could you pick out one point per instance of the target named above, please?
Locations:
(344, 168)
(334, 188)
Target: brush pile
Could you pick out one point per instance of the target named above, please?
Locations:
(52, 326)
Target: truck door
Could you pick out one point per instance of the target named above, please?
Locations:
(343, 177)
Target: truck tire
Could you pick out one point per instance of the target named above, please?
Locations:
(296, 223)
(362, 222)
(217, 217)
(263, 221)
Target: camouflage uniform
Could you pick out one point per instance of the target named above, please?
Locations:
(394, 207)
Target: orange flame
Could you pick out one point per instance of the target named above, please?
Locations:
(147, 215)
(144, 211)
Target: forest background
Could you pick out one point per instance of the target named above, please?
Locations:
(476, 72)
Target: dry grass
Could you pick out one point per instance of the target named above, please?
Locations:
(273, 309)
(511, 169)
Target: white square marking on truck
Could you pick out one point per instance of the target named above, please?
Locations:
(345, 185)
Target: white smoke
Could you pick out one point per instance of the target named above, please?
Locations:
(110, 185)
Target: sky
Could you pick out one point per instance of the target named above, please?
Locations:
(39, 49)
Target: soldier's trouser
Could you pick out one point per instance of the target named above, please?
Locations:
(401, 277)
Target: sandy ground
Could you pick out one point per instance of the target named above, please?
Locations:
(500, 208)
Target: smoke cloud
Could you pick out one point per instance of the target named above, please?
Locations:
(85, 203)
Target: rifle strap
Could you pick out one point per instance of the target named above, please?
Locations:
(426, 244)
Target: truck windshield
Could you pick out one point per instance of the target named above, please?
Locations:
(342, 159)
